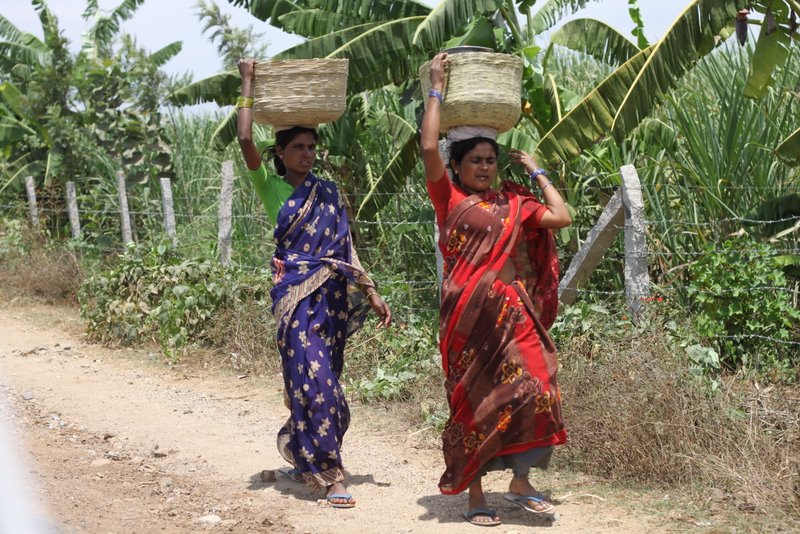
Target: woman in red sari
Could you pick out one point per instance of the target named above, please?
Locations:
(499, 297)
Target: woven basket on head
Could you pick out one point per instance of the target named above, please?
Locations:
(481, 89)
(301, 91)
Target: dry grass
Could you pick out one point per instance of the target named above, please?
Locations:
(43, 273)
(637, 413)
(244, 339)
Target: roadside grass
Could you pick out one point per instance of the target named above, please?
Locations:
(642, 415)
(33, 266)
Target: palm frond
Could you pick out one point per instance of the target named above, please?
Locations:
(517, 138)
(373, 10)
(160, 57)
(326, 44)
(552, 11)
(48, 20)
(8, 30)
(593, 118)
(696, 31)
(312, 23)
(126, 10)
(269, 11)
(14, 99)
(597, 39)
(12, 54)
(772, 49)
(225, 133)
(449, 18)
(378, 53)
(220, 88)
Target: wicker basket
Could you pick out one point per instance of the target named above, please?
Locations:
(481, 89)
(301, 91)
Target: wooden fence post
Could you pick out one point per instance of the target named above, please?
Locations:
(124, 214)
(637, 279)
(591, 252)
(30, 188)
(168, 210)
(72, 210)
(225, 213)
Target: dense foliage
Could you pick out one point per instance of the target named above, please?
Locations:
(701, 143)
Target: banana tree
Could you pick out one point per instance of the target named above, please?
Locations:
(631, 93)
(386, 42)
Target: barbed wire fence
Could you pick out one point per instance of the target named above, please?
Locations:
(243, 238)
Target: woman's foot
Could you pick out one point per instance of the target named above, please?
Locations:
(521, 488)
(478, 512)
(337, 496)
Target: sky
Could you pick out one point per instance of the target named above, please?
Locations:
(158, 23)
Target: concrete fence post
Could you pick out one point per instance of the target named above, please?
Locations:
(593, 249)
(124, 214)
(637, 278)
(33, 211)
(72, 210)
(168, 210)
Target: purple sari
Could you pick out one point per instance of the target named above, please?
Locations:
(317, 304)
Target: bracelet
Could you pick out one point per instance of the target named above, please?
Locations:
(436, 94)
(545, 186)
(370, 291)
(244, 102)
(536, 172)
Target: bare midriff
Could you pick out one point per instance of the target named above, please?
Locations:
(508, 273)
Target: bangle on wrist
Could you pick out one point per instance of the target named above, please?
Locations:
(536, 172)
(436, 94)
(370, 291)
(545, 186)
(244, 102)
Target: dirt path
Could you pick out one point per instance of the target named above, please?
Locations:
(117, 442)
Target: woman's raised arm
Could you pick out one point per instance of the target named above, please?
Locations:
(429, 139)
(557, 215)
(244, 124)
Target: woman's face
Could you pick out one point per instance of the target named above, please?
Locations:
(299, 154)
(478, 169)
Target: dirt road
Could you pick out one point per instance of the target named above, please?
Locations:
(115, 441)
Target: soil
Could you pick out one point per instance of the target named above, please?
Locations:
(115, 440)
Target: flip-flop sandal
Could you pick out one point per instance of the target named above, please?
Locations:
(342, 496)
(291, 472)
(522, 502)
(469, 515)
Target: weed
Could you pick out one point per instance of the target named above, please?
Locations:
(725, 306)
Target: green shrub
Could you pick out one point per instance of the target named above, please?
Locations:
(393, 364)
(153, 292)
(12, 239)
(741, 311)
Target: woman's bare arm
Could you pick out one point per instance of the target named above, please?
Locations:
(244, 124)
(429, 139)
(557, 215)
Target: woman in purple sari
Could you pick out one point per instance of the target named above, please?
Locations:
(318, 298)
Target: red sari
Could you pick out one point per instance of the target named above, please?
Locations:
(499, 361)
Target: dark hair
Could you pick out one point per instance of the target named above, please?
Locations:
(459, 149)
(282, 139)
